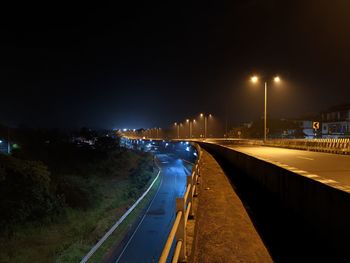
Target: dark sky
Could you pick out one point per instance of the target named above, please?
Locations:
(148, 63)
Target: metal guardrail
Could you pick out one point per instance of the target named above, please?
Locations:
(184, 210)
(339, 146)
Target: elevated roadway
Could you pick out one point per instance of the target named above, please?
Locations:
(330, 166)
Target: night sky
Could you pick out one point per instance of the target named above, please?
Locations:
(150, 63)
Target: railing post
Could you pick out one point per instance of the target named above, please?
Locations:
(190, 181)
(196, 178)
(181, 230)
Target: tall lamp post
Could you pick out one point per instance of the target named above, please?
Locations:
(190, 127)
(255, 79)
(177, 126)
(205, 123)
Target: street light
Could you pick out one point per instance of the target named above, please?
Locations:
(205, 123)
(255, 79)
(189, 127)
(178, 129)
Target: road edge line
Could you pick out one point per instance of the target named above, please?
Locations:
(120, 220)
(143, 218)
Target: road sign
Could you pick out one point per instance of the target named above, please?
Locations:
(316, 125)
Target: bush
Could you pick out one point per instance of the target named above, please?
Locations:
(25, 191)
(78, 192)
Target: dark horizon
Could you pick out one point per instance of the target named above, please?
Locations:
(151, 64)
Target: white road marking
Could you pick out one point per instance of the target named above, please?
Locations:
(111, 230)
(305, 158)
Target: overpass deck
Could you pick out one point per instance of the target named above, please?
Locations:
(224, 231)
(334, 167)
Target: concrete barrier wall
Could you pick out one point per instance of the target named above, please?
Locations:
(323, 207)
(339, 146)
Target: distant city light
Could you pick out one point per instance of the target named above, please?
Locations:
(125, 129)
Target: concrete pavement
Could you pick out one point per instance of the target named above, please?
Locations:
(224, 231)
(330, 166)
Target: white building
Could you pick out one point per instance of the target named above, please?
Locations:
(336, 122)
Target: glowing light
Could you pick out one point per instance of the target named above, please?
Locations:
(277, 79)
(187, 149)
(125, 129)
(254, 79)
(187, 120)
(201, 114)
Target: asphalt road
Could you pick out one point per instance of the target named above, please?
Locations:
(330, 166)
(147, 242)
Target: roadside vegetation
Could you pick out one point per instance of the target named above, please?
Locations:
(58, 198)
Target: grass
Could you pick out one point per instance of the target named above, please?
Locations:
(72, 235)
(126, 227)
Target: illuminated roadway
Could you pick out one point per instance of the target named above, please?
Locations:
(147, 242)
(330, 166)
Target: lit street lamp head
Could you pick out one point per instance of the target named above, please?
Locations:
(277, 79)
(254, 79)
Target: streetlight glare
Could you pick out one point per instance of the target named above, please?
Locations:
(201, 114)
(254, 79)
(277, 79)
